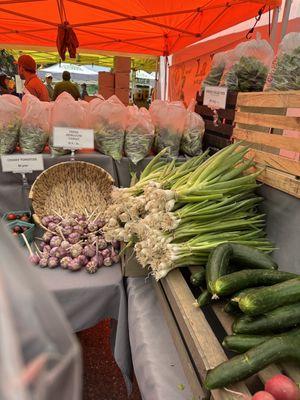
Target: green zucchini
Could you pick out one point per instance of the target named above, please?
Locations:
(251, 257)
(266, 299)
(217, 264)
(248, 278)
(242, 343)
(198, 277)
(244, 365)
(204, 298)
(280, 319)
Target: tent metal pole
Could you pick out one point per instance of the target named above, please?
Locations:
(285, 18)
(166, 78)
(274, 26)
(156, 75)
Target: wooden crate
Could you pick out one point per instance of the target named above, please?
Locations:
(260, 120)
(197, 334)
(217, 137)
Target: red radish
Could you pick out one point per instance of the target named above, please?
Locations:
(282, 388)
(11, 217)
(262, 395)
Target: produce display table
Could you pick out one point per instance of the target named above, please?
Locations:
(12, 196)
(156, 362)
(87, 299)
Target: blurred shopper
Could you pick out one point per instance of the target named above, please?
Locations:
(4, 82)
(27, 71)
(66, 86)
(49, 86)
(84, 91)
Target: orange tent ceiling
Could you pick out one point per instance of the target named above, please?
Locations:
(154, 27)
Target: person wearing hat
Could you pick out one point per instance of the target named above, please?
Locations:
(27, 72)
(4, 82)
(49, 86)
(66, 86)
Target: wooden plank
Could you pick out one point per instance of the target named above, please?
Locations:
(275, 161)
(268, 120)
(289, 99)
(292, 370)
(200, 339)
(214, 140)
(223, 129)
(204, 111)
(278, 141)
(227, 320)
(281, 181)
(179, 344)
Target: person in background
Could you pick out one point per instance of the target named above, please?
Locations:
(66, 86)
(84, 91)
(4, 81)
(49, 86)
(27, 72)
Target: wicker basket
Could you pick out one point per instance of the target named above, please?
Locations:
(74, 186)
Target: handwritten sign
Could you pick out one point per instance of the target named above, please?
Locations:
(73, 138)
(22, 163)
(215, 97)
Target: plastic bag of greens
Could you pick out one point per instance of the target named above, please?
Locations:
(10, 119)
(194, 127)
(248, 65)
(66, 112)
(139, 134)
(108, 119)
(169, 120)
(214, 76)
(285, 71)
(35, 125)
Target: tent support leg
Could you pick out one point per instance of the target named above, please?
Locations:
(285, 18)
(166, 78)
(274, 26)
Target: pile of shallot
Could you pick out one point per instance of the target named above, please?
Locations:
(74, 242)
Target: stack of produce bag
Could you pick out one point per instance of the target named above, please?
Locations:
(169, 120)
(10, 118)
(108, 119)
(35, 126)
(285, 73)
(139, 134)
(69, 113)
(214, 76)
(247, 66)
(191, 142)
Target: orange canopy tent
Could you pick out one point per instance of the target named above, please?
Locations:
(156, 27)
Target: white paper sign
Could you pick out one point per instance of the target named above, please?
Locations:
(73, 138)
(22, 163)
(19, 84)
(215, 97)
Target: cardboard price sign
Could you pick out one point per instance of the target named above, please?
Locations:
(73, 138)
(215, 97)
(22, 163)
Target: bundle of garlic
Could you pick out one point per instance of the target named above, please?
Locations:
(186, 210)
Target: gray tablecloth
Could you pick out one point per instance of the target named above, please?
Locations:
(125, 168)
(155, 359)
(87, 299)
(12, 195)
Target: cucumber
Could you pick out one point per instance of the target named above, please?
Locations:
(198, 277)
(204, 298)
(248, 278)
(217, 264)
(232, 307)
(250, 257)
(233, 303)
(243, 366)
(266, 299)
(280, 319)
(242, 343)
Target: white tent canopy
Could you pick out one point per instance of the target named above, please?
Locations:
(78, 72)
(140, 74)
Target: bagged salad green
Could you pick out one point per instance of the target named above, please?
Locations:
(35, 127)
(194, 128)
(10, 119)
(139, 134)
(214, 76)
(285, 71)
(108, 119)
(169, 120)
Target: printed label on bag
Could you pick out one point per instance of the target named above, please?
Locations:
(73, 138)
(215, 97)
(22, 163)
